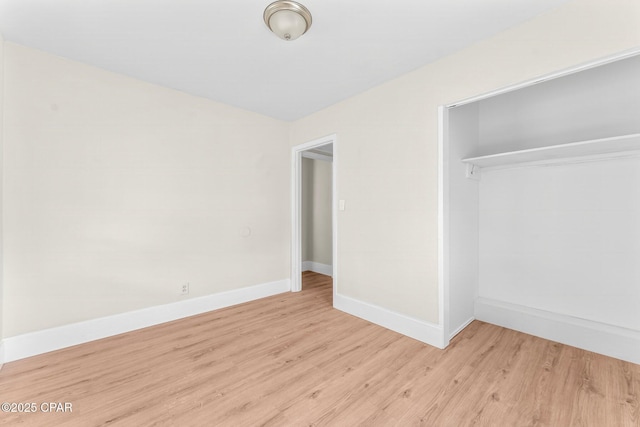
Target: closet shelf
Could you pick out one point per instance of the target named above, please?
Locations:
(618, 146)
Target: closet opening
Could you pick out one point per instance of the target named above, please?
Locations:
(540, 209)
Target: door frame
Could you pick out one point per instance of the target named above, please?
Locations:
(296, 210)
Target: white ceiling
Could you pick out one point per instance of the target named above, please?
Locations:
(221, 49)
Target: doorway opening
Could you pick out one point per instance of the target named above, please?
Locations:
(314, 210)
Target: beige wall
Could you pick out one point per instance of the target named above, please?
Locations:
(306, 211)
(387, 151)
(316, 211)
(117, 192)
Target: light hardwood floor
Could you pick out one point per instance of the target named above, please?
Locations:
(292, 360)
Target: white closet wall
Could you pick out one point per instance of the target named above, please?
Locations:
(564, 239)
(596, 103)
(462, 220)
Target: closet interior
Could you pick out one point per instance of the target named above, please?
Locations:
(542, 210)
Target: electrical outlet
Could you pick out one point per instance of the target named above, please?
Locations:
(184, 290)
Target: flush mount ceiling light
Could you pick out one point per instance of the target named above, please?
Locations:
(287, 19)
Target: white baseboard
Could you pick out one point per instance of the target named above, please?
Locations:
(1, 353)
(316, 267)
(47, 340)
(614, 341)
(420, 330)
(464, 325)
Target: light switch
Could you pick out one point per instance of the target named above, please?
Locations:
(341, 205)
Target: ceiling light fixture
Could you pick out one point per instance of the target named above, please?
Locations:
(287, 19)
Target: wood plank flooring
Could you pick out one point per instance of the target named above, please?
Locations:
(292, 360)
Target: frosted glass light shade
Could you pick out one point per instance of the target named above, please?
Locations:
(287, 25)
(287, 19)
